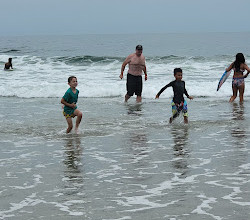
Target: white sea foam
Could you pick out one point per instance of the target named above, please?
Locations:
(129, 161)
(47, 77)
(201, 209)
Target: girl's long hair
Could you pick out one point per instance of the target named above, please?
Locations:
(239, 60)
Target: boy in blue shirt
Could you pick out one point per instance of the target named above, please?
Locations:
(178, 103)
(69, 101)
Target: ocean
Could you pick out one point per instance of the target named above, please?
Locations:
(127, 162)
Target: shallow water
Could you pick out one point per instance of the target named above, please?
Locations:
(42, 64)
(126, 163)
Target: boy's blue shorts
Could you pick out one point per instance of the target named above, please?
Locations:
(184, 109)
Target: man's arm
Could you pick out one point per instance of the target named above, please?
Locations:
(145, 72)
(127, 60)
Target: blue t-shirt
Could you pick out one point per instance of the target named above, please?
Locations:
(70, 97)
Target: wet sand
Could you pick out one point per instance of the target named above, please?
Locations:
(127, 162)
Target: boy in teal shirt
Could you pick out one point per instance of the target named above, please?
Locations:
(69, 101)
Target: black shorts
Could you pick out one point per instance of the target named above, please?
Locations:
(134, 85)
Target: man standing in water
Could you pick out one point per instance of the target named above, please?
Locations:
(136, 62)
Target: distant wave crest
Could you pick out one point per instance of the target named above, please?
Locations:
(81, 60)
(10, 51)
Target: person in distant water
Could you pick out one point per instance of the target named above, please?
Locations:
(239, 66)
(136, 62)
(8, 65)
(69, 101)
(178, 102)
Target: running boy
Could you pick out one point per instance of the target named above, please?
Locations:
(178, 102)
(69, 101)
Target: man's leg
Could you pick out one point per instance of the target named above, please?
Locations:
(138, 89)
(127, 97)
(138, 98)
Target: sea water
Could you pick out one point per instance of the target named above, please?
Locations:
(127, 162)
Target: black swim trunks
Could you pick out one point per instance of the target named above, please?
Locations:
(134, 85)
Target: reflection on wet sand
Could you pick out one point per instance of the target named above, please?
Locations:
(138, 146)
(73, 156)
(238, 131)
(137, 138)
(135, 109)
(238, 157)
(180, 138)
(238, 111)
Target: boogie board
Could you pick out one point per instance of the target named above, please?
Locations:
(223, 79)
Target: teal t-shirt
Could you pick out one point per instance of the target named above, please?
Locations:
(70, 97)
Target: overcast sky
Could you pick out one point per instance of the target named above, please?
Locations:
(36, 17)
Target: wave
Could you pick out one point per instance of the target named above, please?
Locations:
(10, 51)
(98, 76)
(87, 59)
(82, 60)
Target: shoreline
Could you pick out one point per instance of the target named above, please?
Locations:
(127, 160)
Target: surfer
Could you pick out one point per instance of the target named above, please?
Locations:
(178, 102)
(136, 62)
(69, 101)
(239, 66)
(8, 65)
